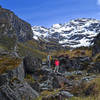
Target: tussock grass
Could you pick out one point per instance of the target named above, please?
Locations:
(47, 93)
(73, 53)
(94, 91)
(8, 63)
(30, 48)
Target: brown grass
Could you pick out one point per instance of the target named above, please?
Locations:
(73, 53)
(94, 87)
(8, 63)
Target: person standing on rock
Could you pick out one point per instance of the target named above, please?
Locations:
(49, 60)
(56, 65)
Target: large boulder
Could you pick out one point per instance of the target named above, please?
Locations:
(32, 64)
(66, 94)
(17, 90)
(18, 72)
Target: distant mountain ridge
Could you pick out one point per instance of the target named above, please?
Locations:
(76, 33)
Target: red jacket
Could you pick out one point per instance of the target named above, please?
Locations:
(57, 62)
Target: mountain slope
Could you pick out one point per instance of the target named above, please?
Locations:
(76, 33)
(11, 25)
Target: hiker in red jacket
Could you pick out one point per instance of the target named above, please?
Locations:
(56, 65)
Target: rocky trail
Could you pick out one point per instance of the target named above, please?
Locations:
(54, 81)
(59, 86)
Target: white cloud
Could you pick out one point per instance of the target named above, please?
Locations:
(98, 2)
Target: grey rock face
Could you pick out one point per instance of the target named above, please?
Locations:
(17, 91)
(18, 72)
(10, 74)
(13, 86)
(12, 25)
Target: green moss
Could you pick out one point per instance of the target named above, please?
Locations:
(29, 78)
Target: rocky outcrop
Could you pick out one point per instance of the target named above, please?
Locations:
(13, 86)
(76, 63)
(18, 72)
(17, 91)
(11, 25)
(10, 74)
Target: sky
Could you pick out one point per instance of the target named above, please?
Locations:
(49, 12)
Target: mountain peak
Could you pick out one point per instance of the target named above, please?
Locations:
(56, 26)
(76, 33)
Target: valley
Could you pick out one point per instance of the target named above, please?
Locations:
(24, 69)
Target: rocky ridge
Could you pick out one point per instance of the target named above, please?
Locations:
(11, 25)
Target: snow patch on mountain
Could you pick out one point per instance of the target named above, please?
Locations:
(76, 33)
